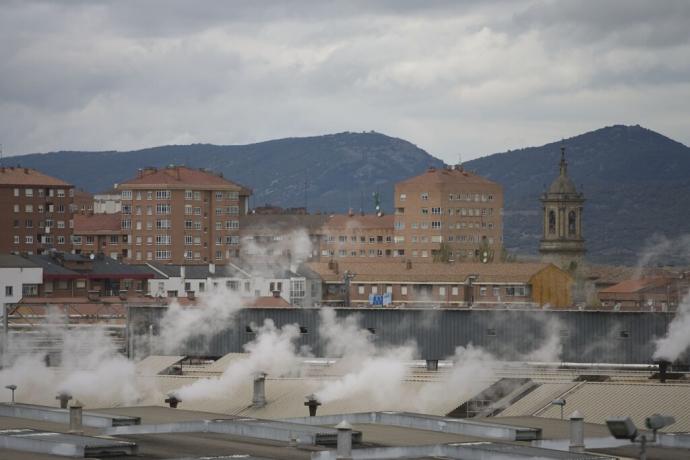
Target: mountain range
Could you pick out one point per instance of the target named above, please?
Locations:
(636, 181)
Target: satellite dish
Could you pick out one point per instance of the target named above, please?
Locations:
(92, 256)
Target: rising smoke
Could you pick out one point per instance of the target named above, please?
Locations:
(91, 367)
(272, 352)
(677, 338)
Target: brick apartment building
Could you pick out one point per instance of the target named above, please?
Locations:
(100, 233)
(357, 236)
(182, 215)
(37, 211)
(448, 212)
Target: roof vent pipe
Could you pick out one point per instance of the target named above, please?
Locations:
(663, 369)
(75, 418)
(313, 404)
(172, 401)
(259, 397)
(432, 364)
(11, 388)
(344, 441)
(577, 432)
(64, 398)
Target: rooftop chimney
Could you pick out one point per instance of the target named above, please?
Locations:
(577, 432)
(11, 388)
(432, 364)
(259, 397)
(172, 401)
(344, 441)
(75, 417)
(313, 404)
(64, 398)
(663, 370)
(212, 268)
(183, 272)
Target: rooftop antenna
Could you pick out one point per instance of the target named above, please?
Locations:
(306, 199)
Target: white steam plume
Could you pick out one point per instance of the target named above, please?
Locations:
(91, 368)
(272, 352)
(212, 314)
(371, 373)
(551, 348)
(472, 369)
(677, 338)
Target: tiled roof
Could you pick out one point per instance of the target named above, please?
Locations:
(429, 272)
(369, 221)
(197, 272)
(181, 177)
(267, 302)
(450, 176)
(13, 261)
(97, 224)
(634, 285)
(28, 176)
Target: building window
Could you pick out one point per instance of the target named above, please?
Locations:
(30, 290)
(482, 291)
(436, 211)
(454, 290)
(424, 196)
(162, 224)
(60, 239)
(441, 290)
(163, 240)
(188, 195)
(126, 195)
(360, 289)
(29, 192)
(552, 222)
(436, 224)
(162, 194)
(29, 239)
(163, 208)
(403, 290)
(188, 240)
(16, 239)
(29, 208)
(16, 192)
(8, 291)
(374, 289)
(403, 196)
(424, 211)
(89, 240)
(162, 254)
(496, 291)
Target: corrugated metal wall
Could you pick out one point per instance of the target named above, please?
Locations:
(613, 337)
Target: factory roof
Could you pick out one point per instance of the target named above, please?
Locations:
(599, 400)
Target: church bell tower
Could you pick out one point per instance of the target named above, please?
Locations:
(562, 243)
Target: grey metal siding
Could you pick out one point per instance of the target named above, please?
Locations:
(614, 337)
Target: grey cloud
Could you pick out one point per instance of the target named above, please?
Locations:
(453, 77)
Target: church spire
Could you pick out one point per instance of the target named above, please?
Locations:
(564, 164)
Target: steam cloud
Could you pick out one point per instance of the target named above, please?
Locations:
(677, 339)
(213, 313)
(91, 368)
(272, 352)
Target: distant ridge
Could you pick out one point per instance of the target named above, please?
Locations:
(636, 181)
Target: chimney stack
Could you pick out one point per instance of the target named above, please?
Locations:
(663, 370)
(577, 432)
(212, 269)
(172, 401)
(75, 418)
(259, 398)
(182, 272)
(64, 398)
(344, 441)
(432, 364)
(313, 404)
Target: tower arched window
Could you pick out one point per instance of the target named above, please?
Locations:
(552, 222)
(572, 223)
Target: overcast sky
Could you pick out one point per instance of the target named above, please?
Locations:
(456, 78)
